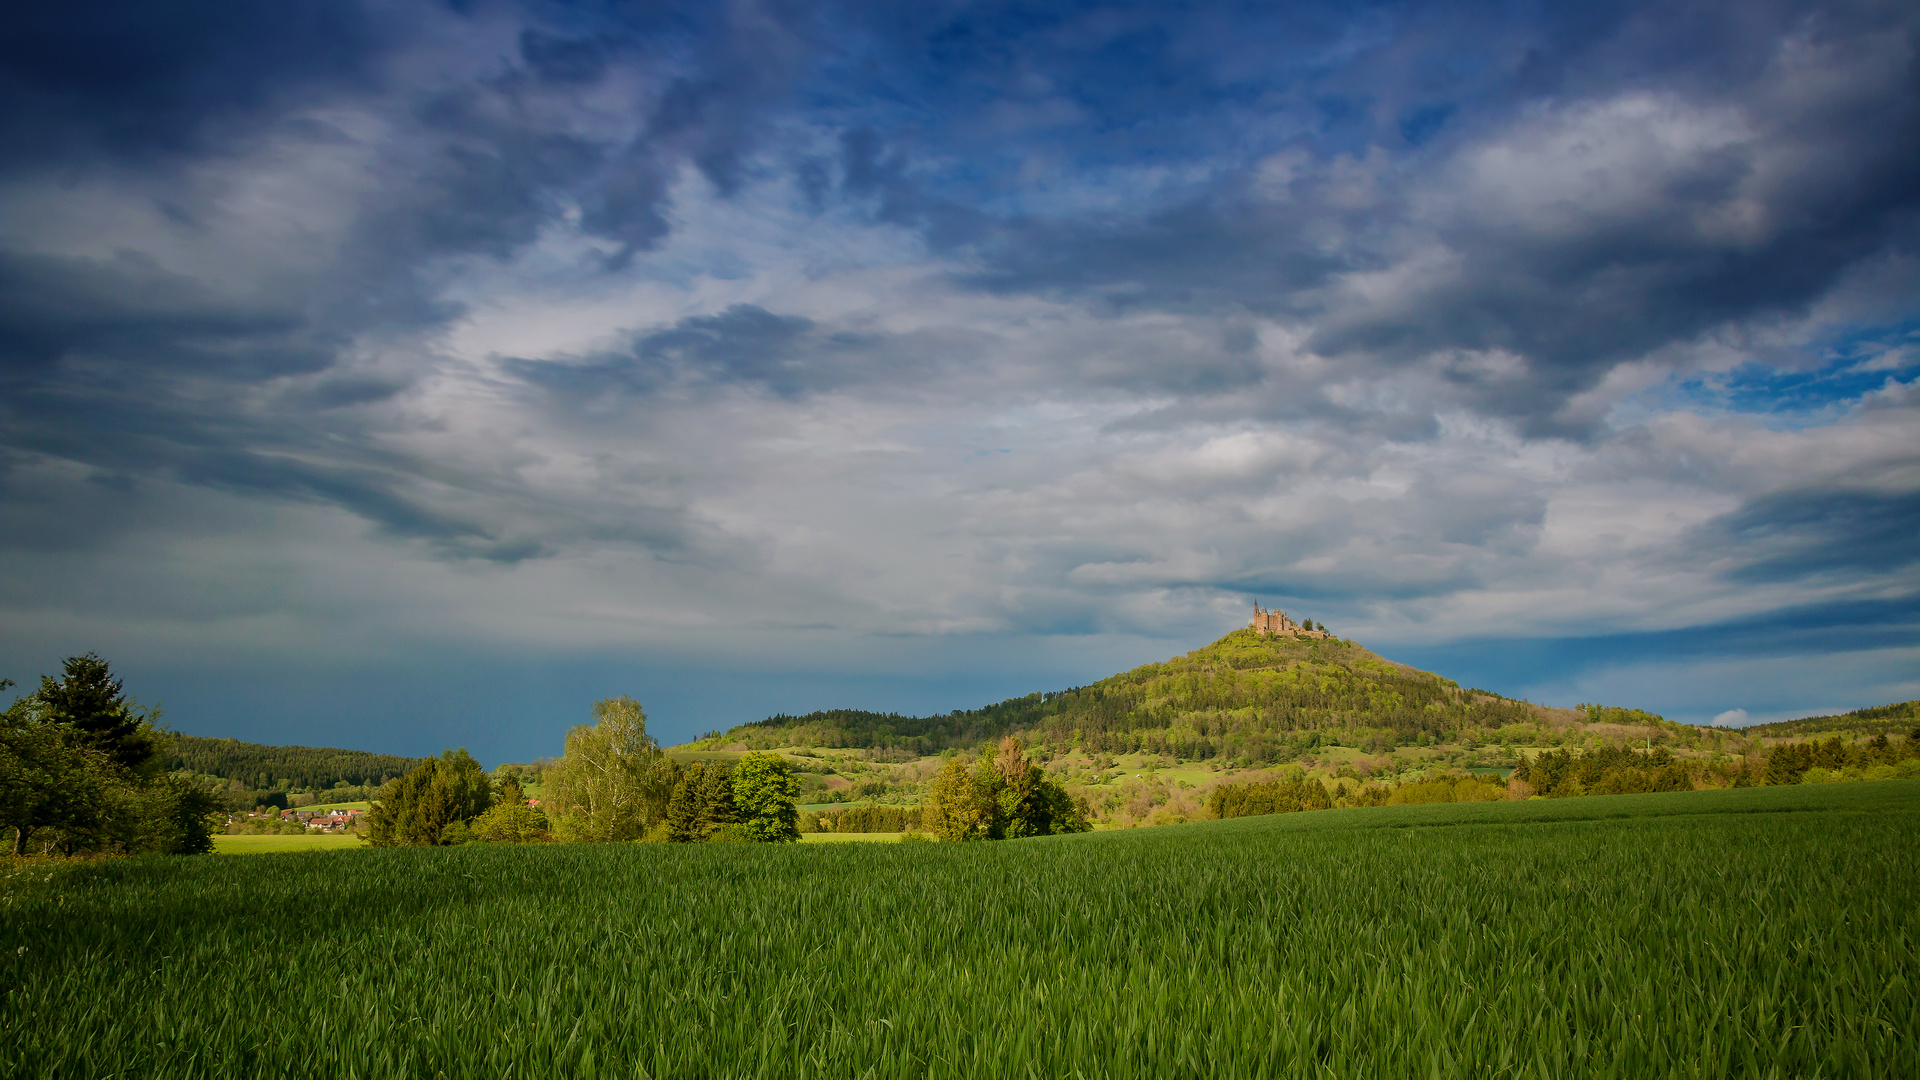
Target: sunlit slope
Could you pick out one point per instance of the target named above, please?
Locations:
(1242, 695)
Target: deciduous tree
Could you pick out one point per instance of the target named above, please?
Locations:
(764, 789)
(46, 782)
(613, 783)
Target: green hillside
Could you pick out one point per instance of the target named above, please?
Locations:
(1889, 720)
(1245, 697)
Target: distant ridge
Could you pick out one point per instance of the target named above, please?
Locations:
(1889, 720)
(256, 765)
(1246, 696)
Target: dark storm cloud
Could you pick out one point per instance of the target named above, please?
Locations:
(129, 79)
(1822, 629)
(103, 311)
(1792, 535)
(138, 428)
(132, 367)
(487, 157)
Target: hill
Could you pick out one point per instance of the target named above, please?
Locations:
(294, 768)
(1247, 698)
(1889, 720)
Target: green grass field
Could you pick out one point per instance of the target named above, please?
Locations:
(1756, 932)
(851, 838)
(261, 845)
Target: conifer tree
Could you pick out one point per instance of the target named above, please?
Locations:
(420, 807)
(683, 807)
(952, 812)
(716, 802)
(88, 699)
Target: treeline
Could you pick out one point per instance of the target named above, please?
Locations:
(1889, 720)
(1259, 798)
(914, 736)
(238, 798)
(866, 819)
(614, 784)
(83, 769)
(1622, 770)
(1610, 770)
(1792, 763)
(285, 768)
(1246, 697)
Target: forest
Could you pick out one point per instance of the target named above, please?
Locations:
(1887, 720)
(283, 768)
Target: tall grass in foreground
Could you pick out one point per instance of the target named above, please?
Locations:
(1760, 932)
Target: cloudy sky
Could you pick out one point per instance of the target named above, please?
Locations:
(402, 375)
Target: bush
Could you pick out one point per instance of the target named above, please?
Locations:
(506, 823)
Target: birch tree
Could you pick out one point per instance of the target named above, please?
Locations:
(613, 782)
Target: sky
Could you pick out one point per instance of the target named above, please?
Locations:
(402, 375)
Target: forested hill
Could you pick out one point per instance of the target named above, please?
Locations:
(298, 768)
(1889, 720)
(1245, 696)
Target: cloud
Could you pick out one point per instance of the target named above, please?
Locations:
(776, 337)
(1731, 718)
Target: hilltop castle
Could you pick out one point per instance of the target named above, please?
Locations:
(1277, 624)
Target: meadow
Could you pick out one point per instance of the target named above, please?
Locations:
(1750, 932)
(263, 845)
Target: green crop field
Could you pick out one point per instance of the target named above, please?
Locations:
(1752, 932)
